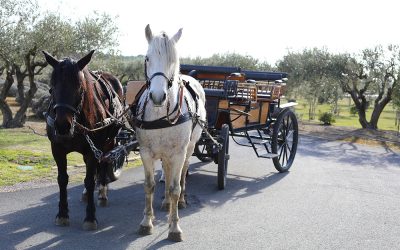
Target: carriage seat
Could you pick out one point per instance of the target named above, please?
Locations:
(215, 93)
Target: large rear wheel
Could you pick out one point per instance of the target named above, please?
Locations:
(223, 156)
(284, 140)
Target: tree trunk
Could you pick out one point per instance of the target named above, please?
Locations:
(20, 84)
(20, 116)
(378, 109)
(4, 107)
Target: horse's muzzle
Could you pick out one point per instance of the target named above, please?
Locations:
(158, 101)
(64, 129)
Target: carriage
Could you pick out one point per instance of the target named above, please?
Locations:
(245, 105)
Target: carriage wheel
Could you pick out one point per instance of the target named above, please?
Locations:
(201, 150)
(223, 156)
(284, 140)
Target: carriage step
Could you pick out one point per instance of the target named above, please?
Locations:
(259, 142)
(268, 155)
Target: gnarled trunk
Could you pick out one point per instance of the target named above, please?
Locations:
(4, 107)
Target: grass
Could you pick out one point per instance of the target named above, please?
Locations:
(20, 148)
(386, 120)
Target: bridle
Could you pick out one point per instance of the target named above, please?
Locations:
(75, 111)
(148, 79)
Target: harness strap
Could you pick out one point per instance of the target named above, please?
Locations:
(162, 123)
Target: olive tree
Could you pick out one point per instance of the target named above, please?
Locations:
(28, 33)
(308, 71)
(374, 74)
(230, 59)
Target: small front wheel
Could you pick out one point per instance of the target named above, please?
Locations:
(223, 156)
(284, 140)
(202, 150)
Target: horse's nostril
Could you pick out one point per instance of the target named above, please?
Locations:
(151, 95)
(164, 96)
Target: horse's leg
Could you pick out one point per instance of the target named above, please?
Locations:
(62, 218)
(84, 195)
(90, 222)
(182, 201)
(165, 205)
(146, 226)
(102, 199)
(175, 232)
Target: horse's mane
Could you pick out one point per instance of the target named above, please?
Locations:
(165, 47)
(92, 107)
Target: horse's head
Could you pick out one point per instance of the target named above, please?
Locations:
(161, 64)
(67, 91)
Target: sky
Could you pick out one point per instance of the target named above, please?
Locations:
(263, 29)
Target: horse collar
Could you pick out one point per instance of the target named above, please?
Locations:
(166, 121)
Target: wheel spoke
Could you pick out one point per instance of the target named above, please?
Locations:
(280, 152)
(283, 156)
(289, 147)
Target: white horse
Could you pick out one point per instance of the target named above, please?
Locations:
(167, 127)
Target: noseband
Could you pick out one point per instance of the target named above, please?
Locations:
(148, 79)
(71, 108)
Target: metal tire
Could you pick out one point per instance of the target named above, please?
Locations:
(223, 156)
(284, 140)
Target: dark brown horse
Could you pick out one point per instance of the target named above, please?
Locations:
(81, 118)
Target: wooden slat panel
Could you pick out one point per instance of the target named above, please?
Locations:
(132, 89)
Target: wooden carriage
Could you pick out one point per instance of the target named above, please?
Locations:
(248, 104)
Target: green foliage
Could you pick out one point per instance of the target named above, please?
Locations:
(386, 121)
(25, 32)
(125, 68)
(326, 118)
(230, 60)
(353, 110)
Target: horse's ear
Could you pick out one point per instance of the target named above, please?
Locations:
(149, 34)
(85, 60)
(177, 36)
(50, 59)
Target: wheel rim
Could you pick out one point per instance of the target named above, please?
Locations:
(202, 151)
(223, 157)
(286, 140)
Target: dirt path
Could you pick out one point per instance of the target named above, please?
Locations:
(390, 139)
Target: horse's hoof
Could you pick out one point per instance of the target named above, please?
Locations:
(89, 225)
(145, 230)
(175, 236)
(165, 207)
(63, 222)
(84, 198)
(182, 204)
(102, 202)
